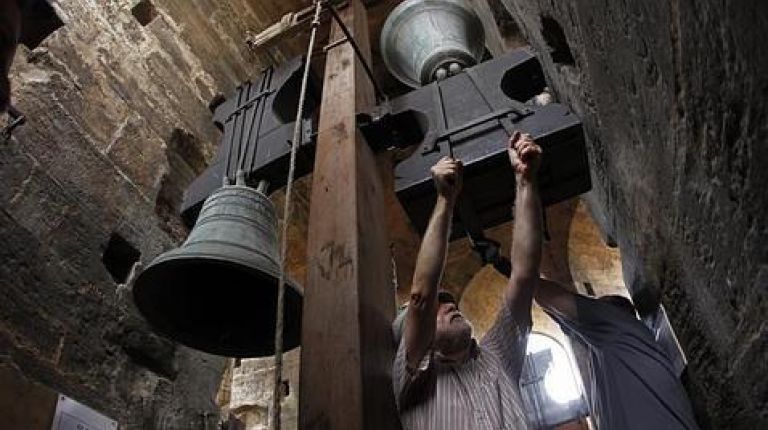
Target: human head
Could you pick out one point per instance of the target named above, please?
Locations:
(453, 332)
(620, 302)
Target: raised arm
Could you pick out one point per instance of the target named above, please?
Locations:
(525, 157)
(420, 323)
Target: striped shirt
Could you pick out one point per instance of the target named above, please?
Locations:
(483, 393)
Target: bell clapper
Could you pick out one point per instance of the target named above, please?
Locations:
(454, 68)
(441, 74)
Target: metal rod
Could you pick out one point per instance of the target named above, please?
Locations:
(17, 119)
(261, 118)
(277, 393)
(231, 129)
(379, 94)
(242, 147)
(334, 44)
(260, 103)
(503, 121)
(443, 117)
(252, 100)
(479, 121)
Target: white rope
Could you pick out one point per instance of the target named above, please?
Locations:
(277, 393)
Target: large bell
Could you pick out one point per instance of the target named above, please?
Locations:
(218, 292)
(426, 40)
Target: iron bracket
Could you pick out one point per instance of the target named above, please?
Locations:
(249, 103)
(17, 119)
(470, 116)
(500, 114)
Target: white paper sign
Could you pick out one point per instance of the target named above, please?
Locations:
(72, 415)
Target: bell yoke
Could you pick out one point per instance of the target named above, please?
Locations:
(217, 292)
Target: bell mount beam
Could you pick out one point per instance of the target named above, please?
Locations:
(349, 299)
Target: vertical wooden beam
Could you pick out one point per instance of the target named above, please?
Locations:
(347, 346)
(24, 404)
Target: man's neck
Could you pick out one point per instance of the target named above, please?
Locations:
(459, 356)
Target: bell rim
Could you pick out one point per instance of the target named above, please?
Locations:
(180, 254)
(294, 296)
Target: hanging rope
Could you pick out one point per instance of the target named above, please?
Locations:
(277, 393)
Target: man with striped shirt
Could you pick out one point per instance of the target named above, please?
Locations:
(443, 379)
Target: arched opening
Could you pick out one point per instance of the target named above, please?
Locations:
(550, 386)
(186, 160)
(555, 37)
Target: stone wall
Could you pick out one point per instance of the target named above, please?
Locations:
(251, 387)
(672, 95)
(118, 126)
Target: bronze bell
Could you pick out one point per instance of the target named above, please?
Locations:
(218, 291)
(427, 40)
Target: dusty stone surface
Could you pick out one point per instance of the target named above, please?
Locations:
(672, 95)
(251, 390)
(118, 126)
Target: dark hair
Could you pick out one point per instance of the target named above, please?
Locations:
(445, 296)
(619, 301)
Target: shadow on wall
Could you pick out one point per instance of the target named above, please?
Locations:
(186, 161)
(508, 28)
(557, 42)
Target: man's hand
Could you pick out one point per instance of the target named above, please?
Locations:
(447, 176)
(525, 155)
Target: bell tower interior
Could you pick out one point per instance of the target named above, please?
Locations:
(136, 112)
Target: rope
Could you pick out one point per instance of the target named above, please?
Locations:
(393, 266)
(277, 393)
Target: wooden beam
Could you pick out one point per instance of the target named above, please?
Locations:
(347, 346)
(24, 404)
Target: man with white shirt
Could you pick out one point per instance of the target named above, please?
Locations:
(444, 379)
